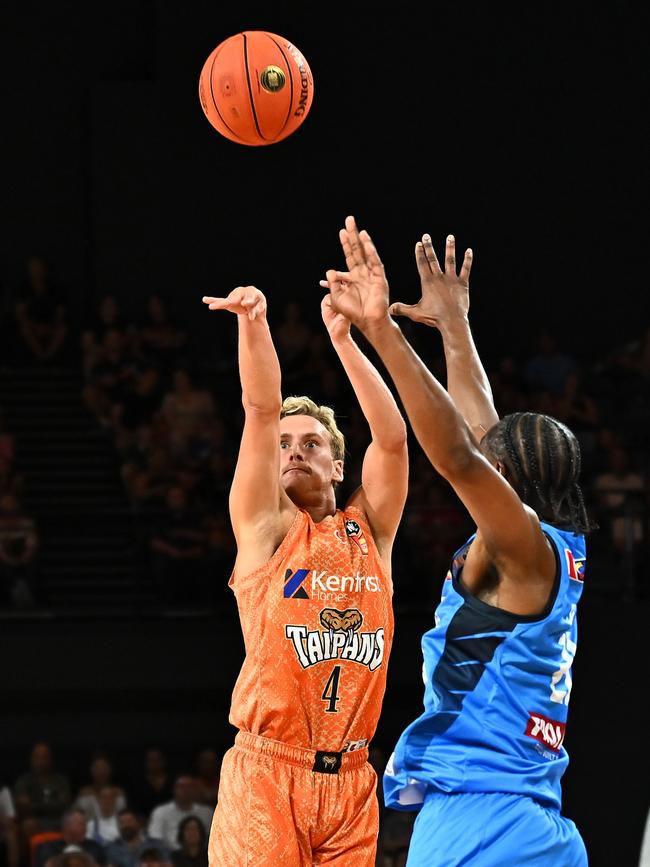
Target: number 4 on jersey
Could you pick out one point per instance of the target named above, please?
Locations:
(331, 691)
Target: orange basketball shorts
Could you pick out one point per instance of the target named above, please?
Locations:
(284, 806)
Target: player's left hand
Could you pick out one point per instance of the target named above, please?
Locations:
(336, 323)
(360, 293)
(244, 301)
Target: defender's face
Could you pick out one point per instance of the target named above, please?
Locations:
(306, 462)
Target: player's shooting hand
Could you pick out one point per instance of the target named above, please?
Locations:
(244, 300)
(360, 293)
(445, 294)
(336, 323)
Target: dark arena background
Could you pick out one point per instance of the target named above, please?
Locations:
(520, 129)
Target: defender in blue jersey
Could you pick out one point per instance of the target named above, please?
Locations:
(483, 762)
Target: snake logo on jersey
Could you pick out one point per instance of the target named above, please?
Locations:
(340, 639)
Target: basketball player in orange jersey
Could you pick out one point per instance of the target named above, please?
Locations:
(314, 592)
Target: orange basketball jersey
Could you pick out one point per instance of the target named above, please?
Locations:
(317, 622)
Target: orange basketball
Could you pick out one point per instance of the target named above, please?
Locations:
(256, 88)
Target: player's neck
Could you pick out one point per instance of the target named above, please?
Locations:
(320, 507)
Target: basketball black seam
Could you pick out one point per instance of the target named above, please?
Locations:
(290, 82)
(214, 101)
(250, 89)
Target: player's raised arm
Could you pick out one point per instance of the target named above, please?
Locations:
(511, 533)
(256, 498)
(384, 479)
(444, 305)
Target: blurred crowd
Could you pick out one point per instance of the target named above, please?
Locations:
(158, 816)
(19, 537)
(170, 404)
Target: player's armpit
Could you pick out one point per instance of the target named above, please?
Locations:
(510, 532)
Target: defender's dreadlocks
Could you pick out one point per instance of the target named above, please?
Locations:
(542, 457)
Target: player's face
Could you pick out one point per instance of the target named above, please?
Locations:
(306, 462)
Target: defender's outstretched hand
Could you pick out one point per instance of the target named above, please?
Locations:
(244, 300)
(361, 292)
(445, 294)
(338, 326)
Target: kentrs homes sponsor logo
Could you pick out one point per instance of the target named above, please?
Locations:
(548, 732)
(320, 584)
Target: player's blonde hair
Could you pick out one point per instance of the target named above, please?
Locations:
(324, 414)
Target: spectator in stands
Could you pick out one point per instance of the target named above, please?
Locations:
(73, 828)
(41, 794)
(186, 407)
(101, 776)
(19, 543)
(623, 498)
(11, 482)
(436, 527)
(292, 339)
(319, 361)
(127, 849)
(220, 554)
(209, 438)
(142, 398)
(330, 387)
(193, 844)
(166, 818)
(148, 470)
(108, 317)
(6, 326)
(549, 367)
(214, 482)
(394, 837)
(153, 856)
(161, 340)
(208, 768)
(103, 826)
(7, 442)
(109, 377)
(507, 385)
(72, 856)
(41, 315)
(178, 549)
(155, 786)
(9, 846)
(578, 410)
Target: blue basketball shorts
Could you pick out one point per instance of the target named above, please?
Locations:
(492, 830)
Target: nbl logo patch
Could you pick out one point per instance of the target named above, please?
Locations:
(355, 533)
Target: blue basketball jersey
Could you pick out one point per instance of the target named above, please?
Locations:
(497, 688)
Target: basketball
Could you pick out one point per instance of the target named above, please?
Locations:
(256, 88)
